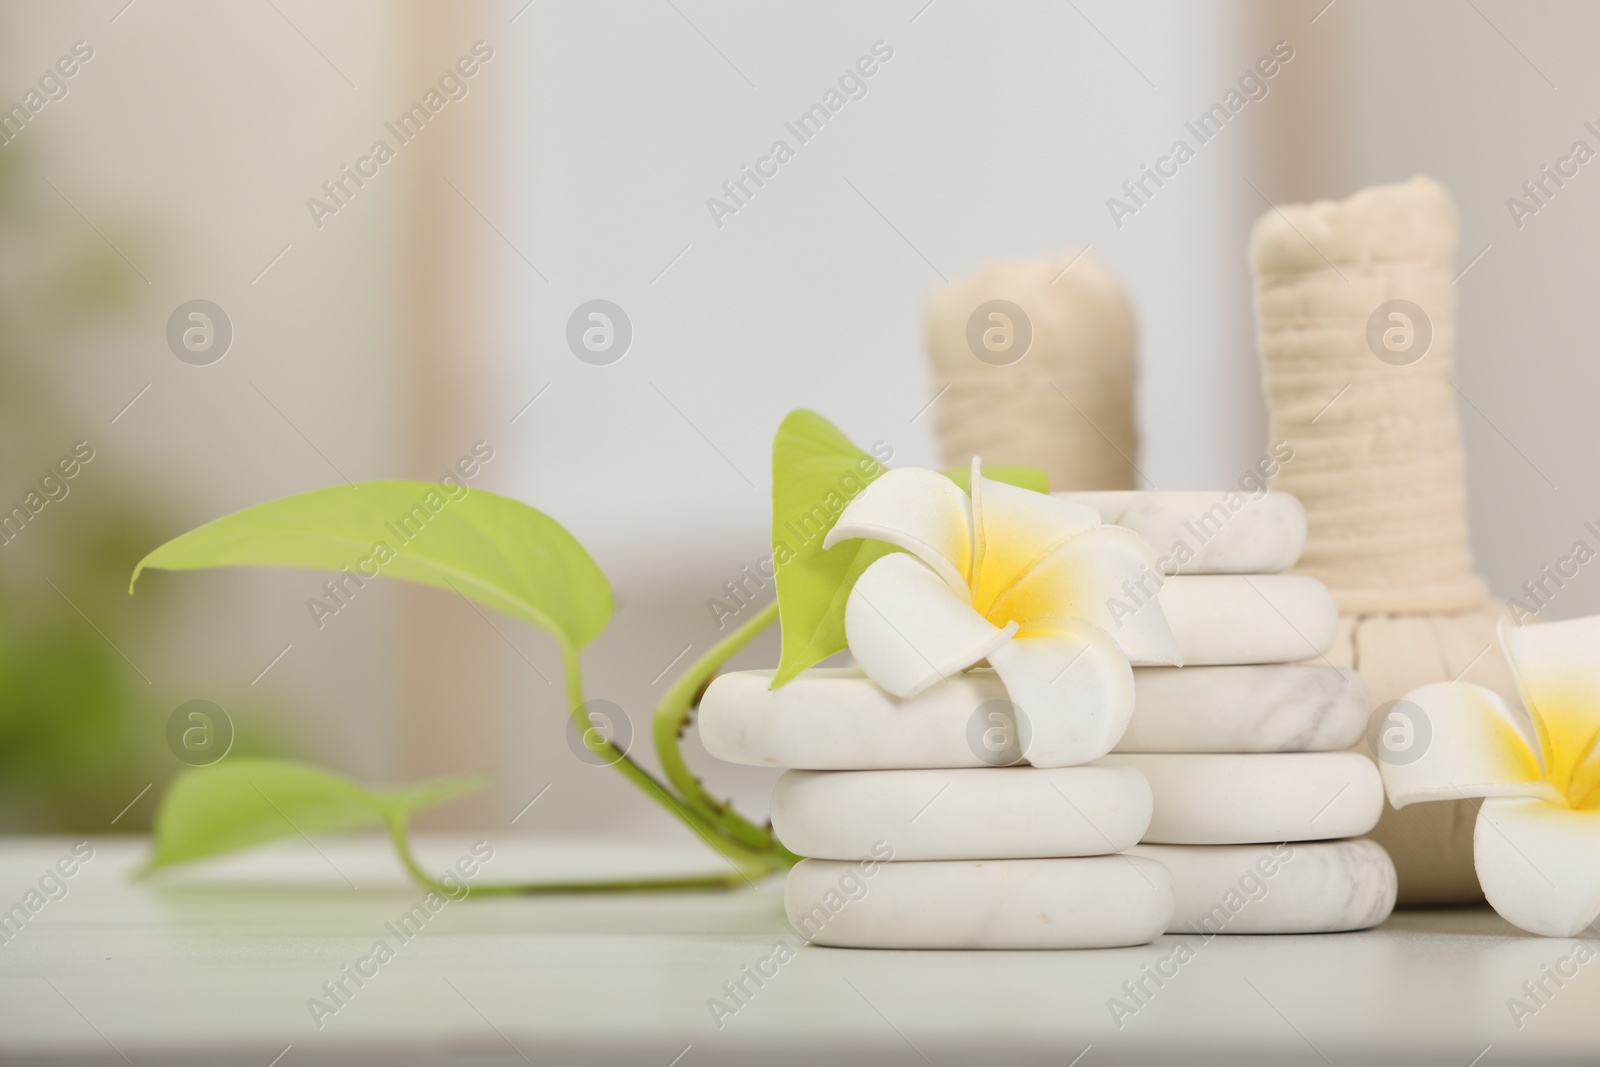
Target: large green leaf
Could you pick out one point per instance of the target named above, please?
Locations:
(497, 551)
(242, 802)
(1012, 474)
(815, 472)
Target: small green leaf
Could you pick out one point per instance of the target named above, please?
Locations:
(815, 472)
(208, 811)
(425, 796)
(1023, 477)
(499, 552)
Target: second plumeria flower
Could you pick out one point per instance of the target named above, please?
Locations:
(1537, 841)
(1022, 580)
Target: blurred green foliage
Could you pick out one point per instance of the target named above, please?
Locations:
(79, 735)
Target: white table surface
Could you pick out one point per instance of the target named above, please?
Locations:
(217, 965)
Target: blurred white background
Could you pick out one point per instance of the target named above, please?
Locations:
(428, 312)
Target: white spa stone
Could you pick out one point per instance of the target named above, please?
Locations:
(832, 718)
(1093, 902)
(836, 719)
(1275, 708)
(1215, 532)
(1258, 798)
(984, 813)
(1289, 888)
(1220, 619)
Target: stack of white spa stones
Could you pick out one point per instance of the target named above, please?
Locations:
(982, 851)
(1259, 799)
(1232, 803)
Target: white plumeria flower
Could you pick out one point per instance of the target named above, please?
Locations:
(1020, 579)
(1537, 842)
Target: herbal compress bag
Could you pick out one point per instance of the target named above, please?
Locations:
(1356, 324)
(1033, 363)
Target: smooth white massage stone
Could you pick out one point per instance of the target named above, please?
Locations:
(1092, 902)
(1220, 619)
(1216, 532)
(1312, 887)
(1275, 708)
(838, 720)
(1256, 798)
(983, 813)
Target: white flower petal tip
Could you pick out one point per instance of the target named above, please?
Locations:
(1455, 740)
(1539, 865)
(1144, 636)
(1071, 691)
(918, 510)
(908, 629)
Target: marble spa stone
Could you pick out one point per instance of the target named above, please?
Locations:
(984, 813)
(1091, 902)
(1222, 619)
(1257, 798)
(1312, 887)
(837, 719)
(832, 718)
(1218, 532)
(1274, 708)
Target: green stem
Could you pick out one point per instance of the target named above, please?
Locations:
(737, 851)
(752, 850)
(733, 879)
(672, 718)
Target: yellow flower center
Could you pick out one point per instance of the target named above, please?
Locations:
(1568, 727)
(1000, 590)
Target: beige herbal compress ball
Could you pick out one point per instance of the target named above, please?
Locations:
(1356, 320)
(1033, 363)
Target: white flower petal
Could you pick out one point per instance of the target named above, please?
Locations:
(1539, 864)
(1557, 666)
(1106, 576)
(1014, 528)
(908, 629)
(918, 510)
(1458, 740)
(1073, 687)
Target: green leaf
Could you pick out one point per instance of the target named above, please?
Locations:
(499, 552)
(235, 804)
(1023, 477)
(815, 472)
(425, 796)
